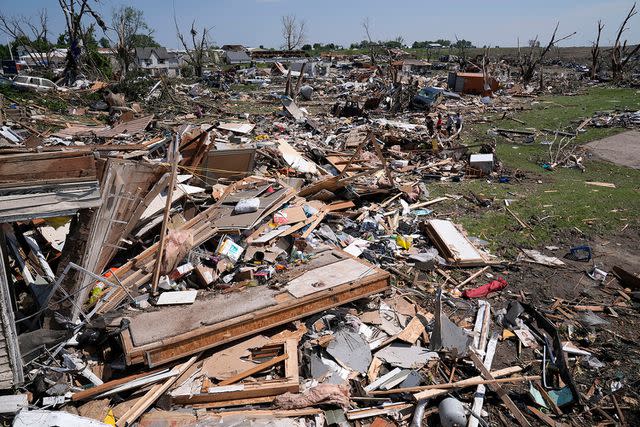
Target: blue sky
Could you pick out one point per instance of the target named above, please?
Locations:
(256, 22)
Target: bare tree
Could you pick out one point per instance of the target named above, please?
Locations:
(621, 54)
(127, 23)
(293, 32)
(74, 11)
(529, 63)
(462, 52)
(197, 53)
(36, 41)
(595, 52)
(367, 26)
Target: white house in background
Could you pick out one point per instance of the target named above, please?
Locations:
(158, 61)
(32, 58)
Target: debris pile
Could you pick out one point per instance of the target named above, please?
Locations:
(167, 260)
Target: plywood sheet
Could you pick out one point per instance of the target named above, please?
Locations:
(242, 128)
(177, 297)
(150, 327)
(456, 244)
(328, 276)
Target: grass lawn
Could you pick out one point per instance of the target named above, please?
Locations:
(552, 202)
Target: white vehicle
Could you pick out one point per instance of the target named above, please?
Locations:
(38, 84)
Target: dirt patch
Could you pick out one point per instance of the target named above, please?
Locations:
(622, 149)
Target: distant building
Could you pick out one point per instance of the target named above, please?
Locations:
(418, 66)
(158, 61)
(234, 48)
(109, 54)
(32, 58)
(236, 57)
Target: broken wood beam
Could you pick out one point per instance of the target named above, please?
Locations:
(96, 390)
(497, 388)
(258, 368)
(152, 395)
(165, 217)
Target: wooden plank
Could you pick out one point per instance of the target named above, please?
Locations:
(246, 391)
(424, 392)
(484, 372)
(22, 168)
(258, 368)
(152, 395)
(478, 399)
(328, 276)
(124, 187)
(412, 331)
(213, 335)
(281, 413)
(110, 385)
(357, 414)
(237, 402)
(165, 218)
(545, 418)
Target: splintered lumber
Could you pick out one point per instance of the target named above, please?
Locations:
(601, 184)
(237, 402)
(432, 390)
(545, 418)
(478, 399)
(358, 414)
(138, 270)
(51, 167)
(40, 185)
(125, 187)
(522, 223)
(153, 342)
(165, 218)
(258, 368)
(258, 391)
(96, 390)
(497, 388)
(152, 395)
(473, 276)
(261, 413)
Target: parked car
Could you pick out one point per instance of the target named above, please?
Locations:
(428, 97)
(5, 81)
(38, 84)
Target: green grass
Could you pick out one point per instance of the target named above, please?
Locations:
(243, 87)
(50, 101)
(555, 202)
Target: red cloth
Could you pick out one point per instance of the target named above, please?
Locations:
(484, 290)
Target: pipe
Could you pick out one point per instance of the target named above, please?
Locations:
(418, 413)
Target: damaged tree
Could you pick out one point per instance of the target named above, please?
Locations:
(621, 53)
(196, 54)
(595, 52)
(127, 22)
(37, 43)
(293, 32)
(529, 63)
(74, 11)
(365, 26)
